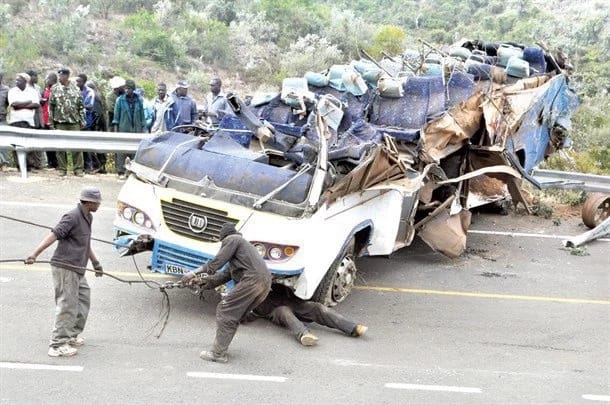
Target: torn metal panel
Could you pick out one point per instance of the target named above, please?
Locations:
(382, 164)
(493, 162)
(485, 190)
(449, 133)
(447, 233)
(531, 116)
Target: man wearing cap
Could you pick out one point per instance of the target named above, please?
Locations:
(68, 265)
(117, 84)
(67, 112)
(128, 117)
(23, 102)
(252, 284)
(184, 108)
(216, 104)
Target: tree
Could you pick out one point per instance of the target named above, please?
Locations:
(390, 39)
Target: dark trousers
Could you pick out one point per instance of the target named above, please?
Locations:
(95, 161)
(33, 159)
(50, 155)
(294, 314)
(245, 296)
(51, 159)
(119, 161)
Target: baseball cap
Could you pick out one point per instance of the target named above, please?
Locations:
(24, 76)
(64, 71)
(116, 82)
(182, 83)
(130, 83)
(91, 194)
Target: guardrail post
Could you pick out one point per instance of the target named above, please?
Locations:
(22, 161)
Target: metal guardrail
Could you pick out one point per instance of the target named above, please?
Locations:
(23, 140)
(572, 181)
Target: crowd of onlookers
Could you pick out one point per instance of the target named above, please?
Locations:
(78, 105)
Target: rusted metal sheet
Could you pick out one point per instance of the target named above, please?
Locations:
(383, 164)
(447, 233)
(444, 136)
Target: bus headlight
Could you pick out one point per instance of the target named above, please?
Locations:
(275, 252)
(134, 215)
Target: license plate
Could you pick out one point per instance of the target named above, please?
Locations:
(173, 269)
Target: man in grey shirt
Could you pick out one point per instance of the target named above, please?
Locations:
(68, 265)
(216, 104)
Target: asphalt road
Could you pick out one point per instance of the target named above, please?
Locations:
(515, 320)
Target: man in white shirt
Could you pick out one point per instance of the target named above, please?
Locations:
(23, 100)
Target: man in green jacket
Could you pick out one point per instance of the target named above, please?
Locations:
(67, 112)
(128, 117)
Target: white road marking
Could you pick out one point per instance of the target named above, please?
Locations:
(45, 205)
(601, 398)
(444, 388)
(5, 279)
(27, 366)
(526, 235)
(246, 377)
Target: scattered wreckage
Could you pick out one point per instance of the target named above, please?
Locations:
(349, 162)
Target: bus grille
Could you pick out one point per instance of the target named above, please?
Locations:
(164, 254)
(194, 221)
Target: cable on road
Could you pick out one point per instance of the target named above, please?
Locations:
(152, 284)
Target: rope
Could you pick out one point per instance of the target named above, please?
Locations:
(48, 227)
(152, 284)
(165, 302)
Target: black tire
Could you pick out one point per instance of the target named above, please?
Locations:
(339, 279)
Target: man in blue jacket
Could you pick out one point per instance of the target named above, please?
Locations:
(184, 108)
(128, 117)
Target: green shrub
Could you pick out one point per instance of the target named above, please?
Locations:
(206, 39)
(102, 8)
(149, 87)
(349, 33)
(66, 34)
(17, 49)
(5, 14)
(310, 53)
(390, 39)
(198, 79)
(151, 41)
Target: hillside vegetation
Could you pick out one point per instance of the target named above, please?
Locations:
(252, 45)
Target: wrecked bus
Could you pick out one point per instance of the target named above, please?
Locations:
(349, 162)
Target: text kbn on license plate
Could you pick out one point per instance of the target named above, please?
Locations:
(173, 269)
